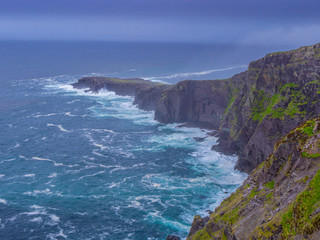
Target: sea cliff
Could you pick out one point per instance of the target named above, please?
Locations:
(251, 110)
(279, 200)
(256, 114)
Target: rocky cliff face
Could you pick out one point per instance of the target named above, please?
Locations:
(252, 110)
(147, 93)
(279, 200)
(272, 97)
(199, 102)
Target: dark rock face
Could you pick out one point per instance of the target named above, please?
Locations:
(279, 200)
(252, 110)
(147, 94)
(173, 237)
(275, 94)
(199, 102)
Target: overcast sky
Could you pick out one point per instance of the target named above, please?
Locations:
(258, 22)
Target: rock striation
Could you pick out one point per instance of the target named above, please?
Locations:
(268, 116)
(279, 200)
(147, 93)
(251, 110)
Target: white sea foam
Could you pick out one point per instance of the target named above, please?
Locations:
(189, 74)
(54, 162)
(156, 218)
(53, 175)
(59, 235)
(45, 115)
(58, 126)
(54, 218)
(29, 175)
(46, 191)
(7, 160)
(91, 175)
(3, 201)
(69, 114)
(36, 219)
(2, 175)
(17, 145)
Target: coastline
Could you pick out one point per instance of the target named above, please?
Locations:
(251, 111)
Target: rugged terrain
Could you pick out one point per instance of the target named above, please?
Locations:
(268, 116)
(251, 110)
(279, 200)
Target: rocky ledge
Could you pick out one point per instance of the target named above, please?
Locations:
(251, 110)
(255, 113)
(147, 93)
(279, 200)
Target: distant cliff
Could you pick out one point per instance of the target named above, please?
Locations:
(251, 110)
(147, 93)
(279, 200)
(268, 116)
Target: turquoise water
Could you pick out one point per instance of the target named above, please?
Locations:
(76, 165)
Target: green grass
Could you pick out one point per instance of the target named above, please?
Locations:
(298, 218)
(269, 185)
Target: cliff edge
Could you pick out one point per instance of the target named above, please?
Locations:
(279, 200)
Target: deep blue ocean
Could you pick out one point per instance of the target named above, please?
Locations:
(76, 165)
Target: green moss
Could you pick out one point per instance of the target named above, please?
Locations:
(269, 185)
(297, 219)
(307, 155)
(253, 193)
(164, 96)
(269, 106)
(224, 237)
(308, 128)
(202, 235)
(232, 99)
(232, 216)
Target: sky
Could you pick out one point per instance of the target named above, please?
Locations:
(247, 22)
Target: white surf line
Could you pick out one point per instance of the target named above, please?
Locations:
(58, 126)
(188, 74)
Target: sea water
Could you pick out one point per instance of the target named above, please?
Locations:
(78, 165)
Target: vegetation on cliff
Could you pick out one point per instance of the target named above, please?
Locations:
(275, 94)
(281, 197)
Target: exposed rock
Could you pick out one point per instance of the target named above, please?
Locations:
(199, 102)
(197, 224)
(199, 139)
(146, 93)
(275, 94)
(252, 110)
(281, 197)
(173, 237)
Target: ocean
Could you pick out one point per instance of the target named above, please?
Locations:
(78, 165)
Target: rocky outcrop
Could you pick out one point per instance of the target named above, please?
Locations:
(200, 102)
(279, 200)
(275, 94)
(147, 93)
(252, 110)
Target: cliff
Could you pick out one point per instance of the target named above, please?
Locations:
(202, 103)
(279, 200)
(275, 94)
(252, 109)
(147, 93)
